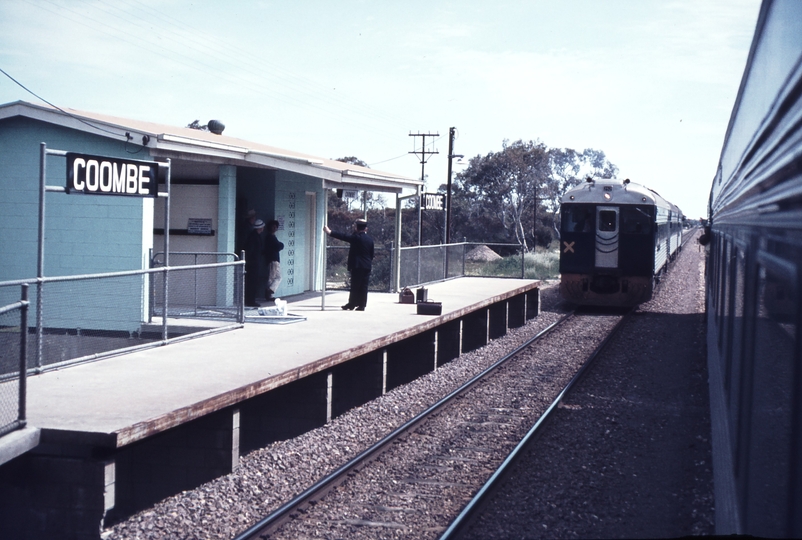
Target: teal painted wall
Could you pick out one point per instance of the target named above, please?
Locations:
(84, 234)
(291, 211)
(226, 229)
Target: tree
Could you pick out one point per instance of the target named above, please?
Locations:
(514, 195)
(366, 200)
(195, 124)
(496, 193)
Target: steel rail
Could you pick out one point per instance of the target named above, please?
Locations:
(465, 518)
(280, 515)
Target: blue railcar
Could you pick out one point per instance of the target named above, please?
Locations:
(616, 238)
(754, 289)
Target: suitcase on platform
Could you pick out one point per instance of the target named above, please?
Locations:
(430, 308)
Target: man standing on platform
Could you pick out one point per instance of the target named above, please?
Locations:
(272, 259)
(253, 257)
(360, 262)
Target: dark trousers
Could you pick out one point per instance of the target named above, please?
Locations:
(359, 287)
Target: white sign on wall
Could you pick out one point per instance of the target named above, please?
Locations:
(98, 175)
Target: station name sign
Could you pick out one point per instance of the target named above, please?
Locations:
(98, 175)
(433, 201)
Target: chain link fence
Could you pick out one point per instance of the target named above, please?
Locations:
(13, 351)
(198, 286)
(82, 318)
(337, 276)
(428, 264)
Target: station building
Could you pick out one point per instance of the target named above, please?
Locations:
(215, 179)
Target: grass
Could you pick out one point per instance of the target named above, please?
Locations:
(542, 264)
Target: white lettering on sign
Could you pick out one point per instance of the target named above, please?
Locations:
(89, 174)
(433, 201)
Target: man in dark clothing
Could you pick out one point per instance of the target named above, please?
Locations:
(253, 256)
(360, 262)
(272, 259)
(244, 228)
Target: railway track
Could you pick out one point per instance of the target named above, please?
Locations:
(416, 481)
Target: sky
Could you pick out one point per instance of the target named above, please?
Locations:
(649, 82)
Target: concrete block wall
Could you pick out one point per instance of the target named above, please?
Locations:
(449, 342)
(284, 412)
(54, 496)
(178, 459)
(84, 234)
(516, 311)
(411, 358)
(474, 330)
(497, 320)
(357, 382)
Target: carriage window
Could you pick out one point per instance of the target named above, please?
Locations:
(635, 220)
(607, 220)
(577, 218)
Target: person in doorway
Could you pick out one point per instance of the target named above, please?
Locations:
(253, 258)
(272, 259)
(360, 262)
(244, 228)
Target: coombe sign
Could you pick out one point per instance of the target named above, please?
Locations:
(98, 175)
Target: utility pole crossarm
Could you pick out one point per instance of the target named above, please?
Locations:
(424, 157)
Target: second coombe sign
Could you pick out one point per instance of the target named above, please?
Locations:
(98, 175)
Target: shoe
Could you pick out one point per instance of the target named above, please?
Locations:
(360, 308)
(348, 307)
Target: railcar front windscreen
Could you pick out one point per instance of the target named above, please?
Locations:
(577, 217)
(636, 219)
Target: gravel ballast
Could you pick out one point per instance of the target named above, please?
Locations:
(628, 454)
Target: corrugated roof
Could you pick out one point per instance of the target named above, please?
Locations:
(165, 141)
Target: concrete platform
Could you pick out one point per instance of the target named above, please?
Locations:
(127, 431)
(123, 399)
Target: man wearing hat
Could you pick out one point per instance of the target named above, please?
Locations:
(253, 256)
(360, 262)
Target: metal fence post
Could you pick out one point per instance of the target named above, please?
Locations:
(23, 355)
(166, 253)
(240, 289)
(195, 277)
(40, 265)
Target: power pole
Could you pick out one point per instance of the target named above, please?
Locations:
(424, 157)
(451, 156)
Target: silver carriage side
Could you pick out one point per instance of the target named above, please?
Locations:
(754, 289)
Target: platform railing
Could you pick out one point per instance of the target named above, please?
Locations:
(420, 265)
(83, 318)
(13, 355)
(429, 264)
(195, 293)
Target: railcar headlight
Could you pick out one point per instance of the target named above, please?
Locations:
(607, 197)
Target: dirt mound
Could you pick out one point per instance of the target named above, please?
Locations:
(482, 254)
